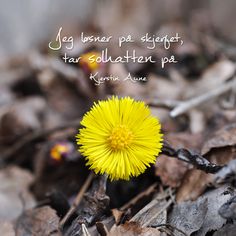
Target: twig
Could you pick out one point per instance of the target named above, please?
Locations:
(77, 199)
(134, 200)
(85, 230)
(154, 209)
(190, 157)
(151, 205)
(169, 104)
(35, 136)
(101, 228)
(93, 205)
(186, 105)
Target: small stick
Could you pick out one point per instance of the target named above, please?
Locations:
(85, 230)
(192, 158)
(77, 199)
(134, 200)
(187, 105)
(169, 104)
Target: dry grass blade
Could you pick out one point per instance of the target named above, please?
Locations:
(187, 105)
(77, 199)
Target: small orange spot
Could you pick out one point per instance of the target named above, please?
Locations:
(88, 61)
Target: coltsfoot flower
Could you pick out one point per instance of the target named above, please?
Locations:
(88, 63)
(61, 151)
(120, 138)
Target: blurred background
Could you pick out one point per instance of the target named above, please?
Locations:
(27, 24)
(43, 99)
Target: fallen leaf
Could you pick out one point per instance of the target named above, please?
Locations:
(228, 209)
(132, 229)
(21, 118)
(154, 213)
(171, 170)
(188, 216)
(14, 194)
(196, 181)
(215, 198)
(162, 88)
(201, 216)
(222, 156)
(40, 221)
(219, 149)
(117, 214)
(227, 174)
(193, 185)
(65, 107)
(226, 230)
(222, 138)
(213, 77)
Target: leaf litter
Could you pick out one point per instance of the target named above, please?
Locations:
(189, 191)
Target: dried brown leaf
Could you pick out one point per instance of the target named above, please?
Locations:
(215, 198)
(226, 230)
(228, 209)
(14, 194)
(172, 170)
(219, 151)
(193, 185)
(132, 229)
(154, 213)
(196, 181)
(222, 156)
(21, 118)
(222, 138)
(40, 221)
(65, 107)
(162, 88)
(227, 174)
(117, 214)
(213, 77)
(188, 216)
(201, 216)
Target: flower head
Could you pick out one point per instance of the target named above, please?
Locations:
(90, 65)
(120, 137)
(60, 151)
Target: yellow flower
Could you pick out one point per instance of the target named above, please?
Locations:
(58, 150)
(120, 138)
(90, 65)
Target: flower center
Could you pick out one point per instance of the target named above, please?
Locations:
(120, 138)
